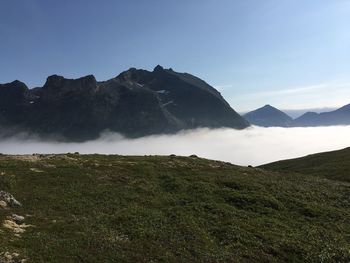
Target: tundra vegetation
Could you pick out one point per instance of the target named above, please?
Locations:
(99, 208)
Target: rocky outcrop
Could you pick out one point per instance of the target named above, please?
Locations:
(9, 199)
(14, 257)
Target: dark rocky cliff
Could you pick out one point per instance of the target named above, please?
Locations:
(135, 103)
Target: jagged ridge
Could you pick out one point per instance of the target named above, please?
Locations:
(135, 103)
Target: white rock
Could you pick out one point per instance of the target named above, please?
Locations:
(9, 199)
(3, 204)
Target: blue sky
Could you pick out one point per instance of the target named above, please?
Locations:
(288, 53)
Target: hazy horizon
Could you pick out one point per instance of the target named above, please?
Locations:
(251, 146)
(295, 113)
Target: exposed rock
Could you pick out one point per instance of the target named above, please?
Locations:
(18, 219)
(16, 228)
(3, 204)
(36, 170)
(8, 257)
(9, 199)
(27, 157)
(158, 68)
(12, 225)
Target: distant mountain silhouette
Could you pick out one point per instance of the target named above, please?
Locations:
(296, 113)
(340, 116)
(135, 103)
(268, 116)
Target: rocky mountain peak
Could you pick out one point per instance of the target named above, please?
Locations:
(127, 75)
(135, 103)
(158, 68)
(54, 81)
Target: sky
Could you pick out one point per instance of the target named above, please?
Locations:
(292, 54)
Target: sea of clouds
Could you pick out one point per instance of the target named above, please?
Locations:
(252, 146)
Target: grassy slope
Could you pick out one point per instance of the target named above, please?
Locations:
(95, 208)
(333, 165)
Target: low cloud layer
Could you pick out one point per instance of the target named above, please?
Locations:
(253, 146)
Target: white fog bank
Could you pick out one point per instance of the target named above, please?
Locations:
(252, 146)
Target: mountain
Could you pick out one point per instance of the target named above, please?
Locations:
(333, 165)
(340, 116)
(98, 208)
(268, 116)
(294, 113)
(135, 103)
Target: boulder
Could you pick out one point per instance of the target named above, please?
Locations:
(9, 199)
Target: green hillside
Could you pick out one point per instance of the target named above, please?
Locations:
(333, 165)
(97, 208)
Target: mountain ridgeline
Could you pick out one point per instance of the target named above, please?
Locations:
(269, 116)
(135, 103)
(340, 116)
